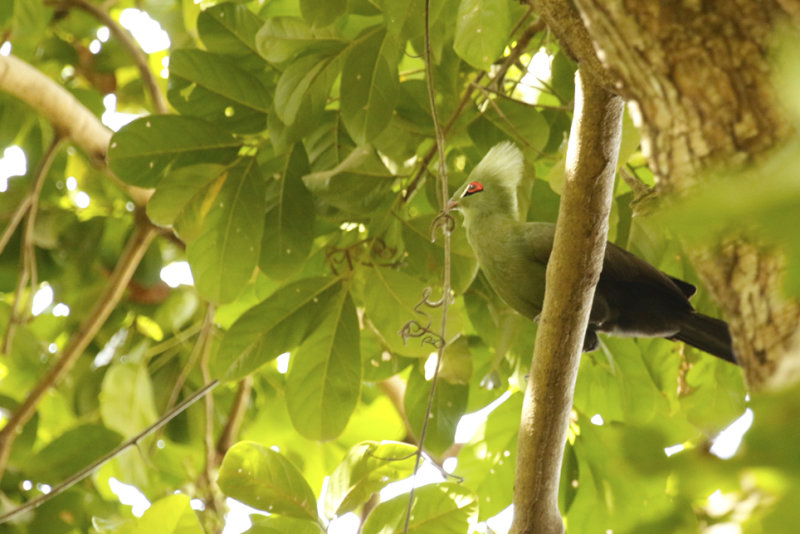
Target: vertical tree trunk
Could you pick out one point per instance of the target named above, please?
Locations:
(698, 73)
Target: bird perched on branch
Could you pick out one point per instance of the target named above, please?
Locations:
(632, 298)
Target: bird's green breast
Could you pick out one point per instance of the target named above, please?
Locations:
(516, 272)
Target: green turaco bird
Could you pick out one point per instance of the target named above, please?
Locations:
(632, 298)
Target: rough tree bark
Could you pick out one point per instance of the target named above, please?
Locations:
(698, 74)
(572, 274)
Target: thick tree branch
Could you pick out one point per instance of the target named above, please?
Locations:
(69, 117)
(134, 251)
(572, 274)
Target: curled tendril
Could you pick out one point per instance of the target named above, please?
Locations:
(416, 329)
(444, 221)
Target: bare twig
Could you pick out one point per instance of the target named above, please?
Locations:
(28, 273)
(128, 42)
(86, 471)
(235, 417)
(134, 251)
(572, 273)
(522, 43)
(443, 193)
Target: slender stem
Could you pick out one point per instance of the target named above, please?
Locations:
(522, 43)
(235, 417)
(28, 271)
(130, 44)
(446, 276)
(86, 471)
(134, 251)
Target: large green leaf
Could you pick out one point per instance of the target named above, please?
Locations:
(264, 479)
(127, 404)
(276, 524)
(437, 509)
(367, 468)
(309, 76)
(172, 514)
(141, 151)
(277, 325)
(289, 224)
(282, 38)
(212, 87)
(322, 13)
(449, 404)
(323, 384)
(226, 252)
(369, 85)
(389, 299)
(482, 30)
(177, 189)
(488, 461)
(72, 451)
(229, 28)
(358, 184)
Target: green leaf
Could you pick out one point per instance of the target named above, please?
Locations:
(389, 299)
(276, 524)
(229, 28)
(72, 451)
(277, 325)
(177, 189)
(427, 258)
(482, 30)
(356, 185)
(126, 399)
(170, 515)
(226, 252)
(309, 76)
(289, 224)
(322, 13)
(488, 461)
(449, 404)
(264, 479)
(437, 509)
(142, 150)
(367, 468)
(214, 88)
(283, 38)
(323, 383)
(404, 17)
(369, 85)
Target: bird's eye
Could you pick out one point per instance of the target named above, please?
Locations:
(472, 188)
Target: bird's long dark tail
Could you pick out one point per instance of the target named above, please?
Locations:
(707, 334)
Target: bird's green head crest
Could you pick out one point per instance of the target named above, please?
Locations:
(492, 184)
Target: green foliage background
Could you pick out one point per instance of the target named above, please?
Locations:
(290, 175)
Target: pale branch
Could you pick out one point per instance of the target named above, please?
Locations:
(562, 17)
(130, 44)
(89, 469)
(128, 262)
(572, 273)
(70, 119)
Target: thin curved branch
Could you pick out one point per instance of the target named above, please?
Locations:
(129, 260)
(572, 274)
(89, 469)
(130, 44)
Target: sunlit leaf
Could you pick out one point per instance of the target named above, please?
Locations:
(437, 509)
(226, 252)
(264, 479)
(322, 387)
(367, 468)
(126, 400)
(449, 404)
(141, 151)
(481, 31)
